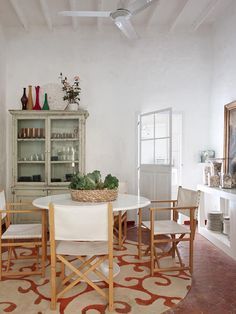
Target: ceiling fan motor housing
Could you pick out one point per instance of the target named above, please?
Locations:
(120, 13)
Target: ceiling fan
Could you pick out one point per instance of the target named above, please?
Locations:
(121, 16)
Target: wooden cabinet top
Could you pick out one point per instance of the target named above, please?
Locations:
(45, 113)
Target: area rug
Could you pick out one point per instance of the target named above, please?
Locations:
(134, 290)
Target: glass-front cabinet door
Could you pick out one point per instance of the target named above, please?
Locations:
(48, 147)
(64, 150)
(30, 151)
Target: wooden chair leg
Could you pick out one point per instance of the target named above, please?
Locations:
(111, 288)
(125, 226)
(43, 259)
(9, 250)
(62, 275)
(139, 233)
(53, 283)
(14, 253)
(173, 246)
(0, 260)
(120, 230)
(37, 256)
(191, 255)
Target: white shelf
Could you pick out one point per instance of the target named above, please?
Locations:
(31, 162)
(229, 194)
(64, 161)
(64, 139)
(223, 199)
(30, 139)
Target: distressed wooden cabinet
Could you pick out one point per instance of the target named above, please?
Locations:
(48, 147)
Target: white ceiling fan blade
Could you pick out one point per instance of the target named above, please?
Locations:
(124, 24)
(139, 5)
(86, 13)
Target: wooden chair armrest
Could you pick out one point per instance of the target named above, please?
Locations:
(175, 208)
(19, 211)
(163, 201)
(19, 204)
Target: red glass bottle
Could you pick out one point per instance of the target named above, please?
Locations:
(37, 105)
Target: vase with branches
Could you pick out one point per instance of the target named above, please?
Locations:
(72, 91)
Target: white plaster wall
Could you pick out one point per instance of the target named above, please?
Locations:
(2, 111)
(119, 79)
(223, 75)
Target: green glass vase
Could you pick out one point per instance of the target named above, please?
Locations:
(45, 104)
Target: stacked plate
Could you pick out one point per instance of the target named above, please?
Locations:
(215, 221)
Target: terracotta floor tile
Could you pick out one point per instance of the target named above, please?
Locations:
(214, 280)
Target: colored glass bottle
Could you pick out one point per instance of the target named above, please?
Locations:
(30, 99)
(45, 104)
(37, 105)
(24, 100)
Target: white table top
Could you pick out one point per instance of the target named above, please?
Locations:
(124, 201)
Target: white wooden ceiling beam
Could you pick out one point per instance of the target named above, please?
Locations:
(151, 11)
(74, 19)
(179, 13)
(46, 13)
(19, 14)
(205, 13)
(99, 8)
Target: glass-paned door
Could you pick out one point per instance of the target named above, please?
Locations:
(155, 138)
(155, 155)
(30, 150)
(64, 151)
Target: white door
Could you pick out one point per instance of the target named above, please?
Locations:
(155, 156)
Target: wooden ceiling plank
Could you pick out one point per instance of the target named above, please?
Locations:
(46, 13)
(205, 13)
(74, 19)
(179, 13)
(20, 14)
(99, 8)
(152, 10)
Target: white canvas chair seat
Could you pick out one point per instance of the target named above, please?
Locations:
(166, 227)
(21, 235)
(173, 233)
(81, 248)
(23, 231)
(84, 233)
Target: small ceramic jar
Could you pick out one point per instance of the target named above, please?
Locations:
(213, 181)
(206, 170)
(225, 181)
(215, 167)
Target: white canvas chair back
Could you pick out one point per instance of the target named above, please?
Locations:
(187, 198)
(2, 203)
(81, 223)
(123, 187)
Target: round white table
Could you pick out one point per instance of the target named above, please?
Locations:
(123, 202)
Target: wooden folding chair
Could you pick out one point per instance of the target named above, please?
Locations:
(170, 232)
(86, 233)
(120, 220)
(21, 235)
